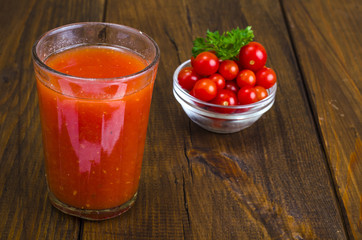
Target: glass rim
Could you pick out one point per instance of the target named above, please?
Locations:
(42, 64)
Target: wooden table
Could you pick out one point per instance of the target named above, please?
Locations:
(295, 174)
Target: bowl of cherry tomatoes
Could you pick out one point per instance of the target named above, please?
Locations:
(225, 96)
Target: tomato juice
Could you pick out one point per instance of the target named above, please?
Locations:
(94, 125)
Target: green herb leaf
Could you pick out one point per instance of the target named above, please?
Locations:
(226, 45)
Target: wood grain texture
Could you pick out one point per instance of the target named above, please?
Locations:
(327, 37)
(24, 209)
(270, 181)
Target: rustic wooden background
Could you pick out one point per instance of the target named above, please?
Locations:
(295, 174)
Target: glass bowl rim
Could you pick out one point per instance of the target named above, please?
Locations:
(264, 102)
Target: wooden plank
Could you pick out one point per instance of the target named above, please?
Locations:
(24, 209)
(159, 211)
(327, 36)
(270, 181)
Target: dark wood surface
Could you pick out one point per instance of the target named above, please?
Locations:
(295, 174)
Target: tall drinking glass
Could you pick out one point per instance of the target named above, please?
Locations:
(94, 83)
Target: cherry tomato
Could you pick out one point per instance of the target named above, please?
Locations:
(228, 69)
(204, 89)
(247, 95)
(187, 78)
(192, 60)
(266, 77)
(192, 93)
(232, 85)
(218, 79)
(206, 63)
(246, 78)
(225, 97)
(261, 92)
(252, 56)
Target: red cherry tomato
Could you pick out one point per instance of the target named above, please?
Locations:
(192, 93)
(228, 69)
(261, 92)
(247, 95)
(218, 79)
(187, 78)
(232, 85)
(246, 78)
(266, 77)
(204, 89)
(225, 97)
(206, 63)
(252, 56)
(192, 60)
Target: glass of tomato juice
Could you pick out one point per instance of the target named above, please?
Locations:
(95, 83)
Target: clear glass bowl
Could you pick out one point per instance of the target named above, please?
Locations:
(206, 115)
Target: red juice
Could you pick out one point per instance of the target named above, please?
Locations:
(94, 130)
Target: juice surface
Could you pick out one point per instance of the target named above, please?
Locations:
(96, 62)
(94, 147)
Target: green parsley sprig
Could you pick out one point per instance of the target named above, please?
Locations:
(226, 45)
